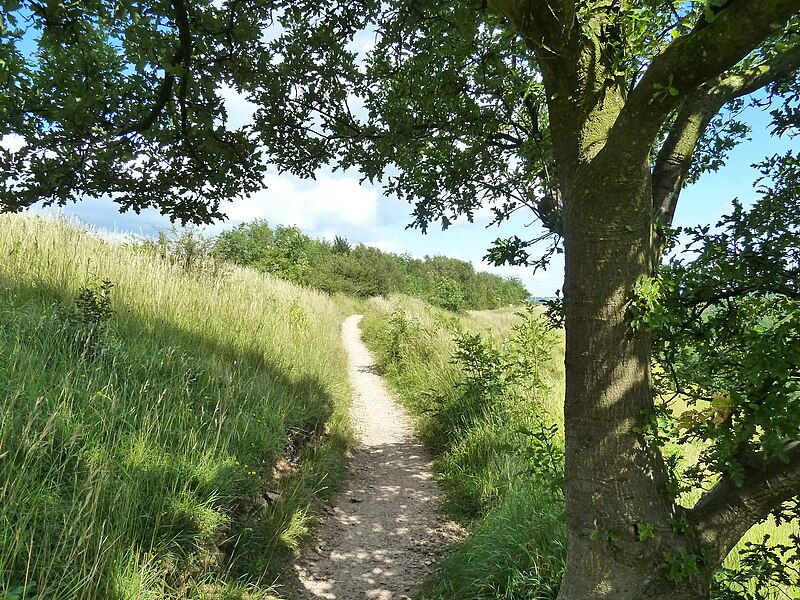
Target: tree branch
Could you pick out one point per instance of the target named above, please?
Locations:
(182, 58)
(725, 513)
(545, 24)
(675, 157)
(689, 62)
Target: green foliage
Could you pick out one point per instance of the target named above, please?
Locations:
(725, 314)
(340, 245)
(645, 532)
(354, 273)
(448, 295)
(21, 592)
(86, 326)
(608, 536)
(248, 244)
(122, 100)
(516, 551)
(94, 306)
(727, 329)
(363, 271)
(647, 310)
(187, 247)
(482, 406)
(680, 565)
(403, 335)
(772, 566)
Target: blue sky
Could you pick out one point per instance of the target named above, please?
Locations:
(336, 204)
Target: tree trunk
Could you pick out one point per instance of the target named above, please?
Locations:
(615, 487)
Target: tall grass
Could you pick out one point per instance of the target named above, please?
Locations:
(171, 448)
(516, 548)
(484, 424)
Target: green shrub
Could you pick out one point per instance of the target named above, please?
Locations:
(481, 406)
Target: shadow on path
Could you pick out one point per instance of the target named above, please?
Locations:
(382, 537)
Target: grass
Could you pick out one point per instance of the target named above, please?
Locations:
(137, 444)
(516, 548)
(515, 551)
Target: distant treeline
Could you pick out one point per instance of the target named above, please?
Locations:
(364, 271)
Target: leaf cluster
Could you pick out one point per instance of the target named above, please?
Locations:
(764, 566)
(506, 376)
(122, 100)
(725, 314)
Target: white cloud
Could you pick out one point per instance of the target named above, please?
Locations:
(392, 246)
(112, 237)
(240, 109)
(328, 235)
(324, 204)
(363, 42)
(12, 142)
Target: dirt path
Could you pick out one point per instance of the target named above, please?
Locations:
(384, 533)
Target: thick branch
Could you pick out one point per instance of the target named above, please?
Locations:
(545, 24)
(182, 58)
(675, 158)
(725, 513)
(689, 62)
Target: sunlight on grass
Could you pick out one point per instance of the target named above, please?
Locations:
(136, 446)
(516, 548)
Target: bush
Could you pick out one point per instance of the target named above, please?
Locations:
(497, 448)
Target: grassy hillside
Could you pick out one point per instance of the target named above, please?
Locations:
(162, 434)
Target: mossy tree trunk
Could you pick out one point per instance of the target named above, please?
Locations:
(623, 542)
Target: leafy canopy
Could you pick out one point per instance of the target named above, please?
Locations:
(123, 99)
(443, 102)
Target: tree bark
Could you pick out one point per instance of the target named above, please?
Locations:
(614, 484)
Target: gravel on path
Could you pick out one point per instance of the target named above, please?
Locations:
(385, 530)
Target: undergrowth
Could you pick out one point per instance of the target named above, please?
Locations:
(486, 409)
(164, 431)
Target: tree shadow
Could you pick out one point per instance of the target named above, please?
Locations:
(385, 533)
(172, 502)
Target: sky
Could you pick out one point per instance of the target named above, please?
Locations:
(337, 204)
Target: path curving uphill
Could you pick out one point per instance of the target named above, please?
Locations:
(385, 530)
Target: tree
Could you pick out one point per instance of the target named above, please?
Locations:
(593, 114)
(284, 251)
(122, 99)
(247, 244)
